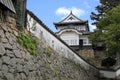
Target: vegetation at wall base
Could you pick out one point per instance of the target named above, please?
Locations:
(29, 42)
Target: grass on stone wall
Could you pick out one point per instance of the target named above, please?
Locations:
(48, 52)
(29, 42)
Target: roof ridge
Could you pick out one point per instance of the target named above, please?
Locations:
(71, 14)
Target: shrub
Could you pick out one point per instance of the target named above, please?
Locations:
(29, 42)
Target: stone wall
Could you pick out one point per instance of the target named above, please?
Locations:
(92, 56)
(86, 53)
(41, 31)
(16, 63)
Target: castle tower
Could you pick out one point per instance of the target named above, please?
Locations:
(74, 32)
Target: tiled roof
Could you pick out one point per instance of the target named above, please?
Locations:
(70, 19)
(8, 4)
(64, 23)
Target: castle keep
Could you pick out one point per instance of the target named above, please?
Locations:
(74, 32)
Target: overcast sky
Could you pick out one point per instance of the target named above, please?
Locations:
(50, 11)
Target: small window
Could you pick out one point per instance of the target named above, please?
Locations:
(71, 18)
(84, 41)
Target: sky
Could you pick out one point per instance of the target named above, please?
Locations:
(50, 11)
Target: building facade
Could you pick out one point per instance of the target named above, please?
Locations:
(74, 32)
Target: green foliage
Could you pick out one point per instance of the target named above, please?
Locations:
(28, 42)
(109, 26)
(110, 3)
(111, 37)
(103, 9)
(111, 17)
(111, 34)
(95, 37)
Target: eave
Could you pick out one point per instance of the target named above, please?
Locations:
(78, 32)
(67, 23)
(8, 5)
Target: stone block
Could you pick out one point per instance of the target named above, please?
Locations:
(23, 76)
(6, 59)
(1, 74)
(15, 47)
(10, 53)
(12, 71)
(10, 30)
(13, 62)
(7, 46)
(2, 50)
(31, 76)
(12, 21)
(17, 53)
(9, 76)
(2, 35)
(15, 33)
(10, 37)
(19, 68)
(1, 63)
(25, 70)
(17, 76)
(4, 27)
(5, 69)
(4, 40)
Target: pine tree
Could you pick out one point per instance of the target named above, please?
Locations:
(106, 5)
(108, 31)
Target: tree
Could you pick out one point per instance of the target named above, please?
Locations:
(109, 31)
(106, 5)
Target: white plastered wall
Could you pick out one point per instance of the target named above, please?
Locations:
(50, 39)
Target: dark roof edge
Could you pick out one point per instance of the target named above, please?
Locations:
(8, 5)
(70, 22)
(45, 27)
(67, 23)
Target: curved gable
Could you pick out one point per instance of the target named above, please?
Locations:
(69, 30)
(71, 18)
